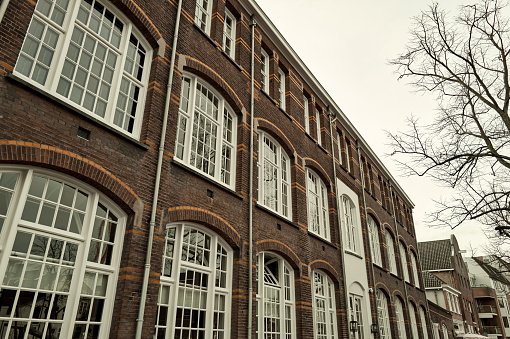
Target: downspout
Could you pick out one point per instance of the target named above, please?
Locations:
(253, 24)
(338, 209)
(3, 8)
(152, 224)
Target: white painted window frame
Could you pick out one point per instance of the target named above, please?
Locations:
(383, 315)
(264, 64)
(390, 250)
(317, 195)
(399, 315)
(321, 282)
(414, 262)
(375, 247)
(423, 320)
(350, 224)
(318, 120)
(403, 261)
(356, 305)
(306, 113)
(229, 38)
(203, 13)
(281, 89)
(413, 321)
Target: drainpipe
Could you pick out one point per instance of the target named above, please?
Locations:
(363, 184)
(338, 209)
(253, 24)
(152, 224)
(3, 8)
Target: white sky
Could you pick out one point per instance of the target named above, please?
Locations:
(347, 44)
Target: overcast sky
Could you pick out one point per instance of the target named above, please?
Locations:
(347, 44)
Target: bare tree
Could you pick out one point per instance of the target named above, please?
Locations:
(464, 61)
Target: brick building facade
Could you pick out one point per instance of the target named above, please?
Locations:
(91, 135)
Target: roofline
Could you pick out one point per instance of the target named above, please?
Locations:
(440, 270)
(288, 52)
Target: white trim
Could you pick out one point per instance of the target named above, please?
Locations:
(390, 250)
(326, 298)
(317, 198)
(264, 64)
(281, 89)
(232, 36)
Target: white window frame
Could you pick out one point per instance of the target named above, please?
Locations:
(283, 287)
(318, 119)
(281, 89)
(58, 64)
(399, 315)
(414, 323)
(383, 315)
(203, 13)
(306, 113)
(79, 290)
(226, 137)
(403, 261)
(390, 250)
(324, 306)
(444, 329)
(317, 205)
(356, 314)
(216, 270)
(423, 320)
(414, 262)
(283, 204)
(347, 155)
(264, 65)
(229, 34)
(350, 224)
(339, 144)
(375, 247)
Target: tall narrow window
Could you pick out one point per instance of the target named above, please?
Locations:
(317, 196)
(383, 316)
(399, 313)
(445, 332)
(348, 155)
(348, 215)
(375, 247)
(339, 144)
(61, 258)
(324, 308)
(203, 11)
(274, 176)
(195, 289)
(415, 270)
(390, 248)
(423, 320)
(275, 298)
(264, 65)
(356, 314)
(229, 34)
(281, 88)
(414, 323)
(318, 119)
(306, 114)
(89, 56)
(403, 261)
(206, 134)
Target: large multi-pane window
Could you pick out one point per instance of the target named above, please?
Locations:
(349, 222)
(275, 298)
(264, 69)
(403, 261)
(90, 56)
(414, 262)
(60, 263)
(324, 308)
(390, 249)
(274, 176)
(195, 291)
(203, 11)
(281, 88)
(423, 320)
(356, 314)
(317, 197)
(375, 247)
(414, 323)
(383, 316)
(399, 314)
(206, 131)
(229, 33)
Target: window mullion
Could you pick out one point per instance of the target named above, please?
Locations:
(220, 141)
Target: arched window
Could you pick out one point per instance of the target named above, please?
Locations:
(317, 197)
(60, 263)
(348, 214)
(195, 290)
(356, 314)
(206, 131)
(414, 323)
(403, 261)
(324, 308)
(274, 176)
(423, 320)
(415, 270)
(375, 247)
(399, 314)
(383, 315)
(391, 253)
(445, 331)
(275, 298)
(90, 56)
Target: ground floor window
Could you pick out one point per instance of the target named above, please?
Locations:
(324, 308)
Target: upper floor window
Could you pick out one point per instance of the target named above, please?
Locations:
(348, 155)
(403, 261)
(195, 290)
(61, 256)
(324, 307)
(390, 248)
(206, 134)
(318, 119)
(203, 12)
(375, 247)
(229, 34)
(274, 176)
(415, 270)
(306, 114)
(90, 56)
(339, 143)
(349, 220)
(264, 65)
(399, 314)
(317, 197)
(423, 320)
(356, 314)
(281, 88)
(275, 298)
(414, 323)
(383, 315)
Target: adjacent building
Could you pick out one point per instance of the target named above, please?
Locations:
(172, 169)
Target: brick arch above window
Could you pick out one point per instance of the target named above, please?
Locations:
(318, 169)
(278, 247)
(206, 218)
(273, 130)
(326, 268)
